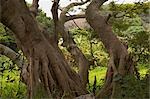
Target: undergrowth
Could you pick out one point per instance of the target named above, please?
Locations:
(12, 87)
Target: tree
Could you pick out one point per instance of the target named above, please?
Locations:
(47, 67)
(48, 71)
(129, 23)
(70, 44)
(119, 58)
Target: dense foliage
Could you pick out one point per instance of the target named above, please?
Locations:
(130, 26)
(131, 30)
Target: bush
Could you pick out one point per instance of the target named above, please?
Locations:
(10, 83)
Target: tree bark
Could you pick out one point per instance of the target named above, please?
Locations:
(70, 44)
(54, 11)
(118, 53)
(34, 7)
(47, 66)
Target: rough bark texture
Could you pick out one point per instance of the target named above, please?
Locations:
(70, 44)
(47, 66)
(34, 7)
(54, 11)
(118, 53)
(87, 96)
(79, 57)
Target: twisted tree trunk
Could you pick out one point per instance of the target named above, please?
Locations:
(117, 66)
(47, 66)
(71, 46)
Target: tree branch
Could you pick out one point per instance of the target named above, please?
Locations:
(54, 11)
(15, 57)
(70, 44)
(34, 7)
(72, 17)
(67, 8)
(64, 18)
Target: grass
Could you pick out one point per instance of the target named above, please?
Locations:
(143, 69)
(99, 72)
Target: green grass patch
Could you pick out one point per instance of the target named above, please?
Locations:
(99, 73)
(143, 69)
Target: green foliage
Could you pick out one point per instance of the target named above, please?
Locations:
(10, 84)
(130, 9)
(143, 69)
(145, 86)
(7, 38)
(99, 72)
(132, 88)
(5, 34)
(14, 89)
(131, 29)
(92, 48)
(45, 21)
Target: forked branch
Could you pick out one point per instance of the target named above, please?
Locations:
(67, 8)
(34, 7)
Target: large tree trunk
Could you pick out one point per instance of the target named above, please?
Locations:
(118, 53)
(47, 66)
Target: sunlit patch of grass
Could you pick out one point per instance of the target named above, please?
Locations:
(143, 69)
(99, 72)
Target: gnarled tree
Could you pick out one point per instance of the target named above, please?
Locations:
(47, 68)
(119, 58)
(70, 44)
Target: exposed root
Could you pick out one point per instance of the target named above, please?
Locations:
(107, 87)
(113, 75)
(48, 71)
